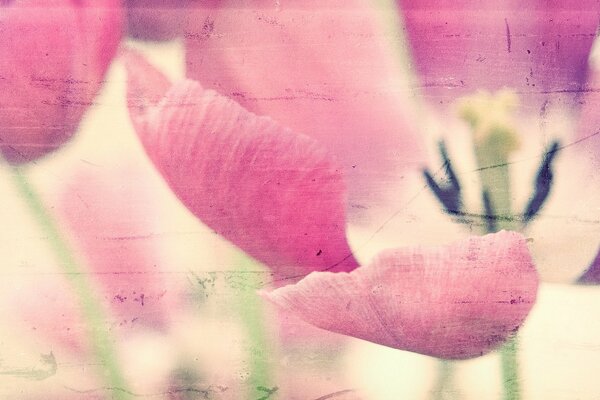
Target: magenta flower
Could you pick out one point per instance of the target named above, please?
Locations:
(279, 197)
(53, 56)
(333, 75)
(540, 51)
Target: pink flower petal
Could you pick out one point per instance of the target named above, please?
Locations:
(538, 48)
(276, 195)
(456, 301)
(326, 69)
(46, 307)
(592, 275)
(53, 55)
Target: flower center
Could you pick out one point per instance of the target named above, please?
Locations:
(495, 138)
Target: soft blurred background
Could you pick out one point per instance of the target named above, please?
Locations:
(179, 303)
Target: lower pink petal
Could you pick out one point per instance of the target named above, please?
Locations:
(456, 301)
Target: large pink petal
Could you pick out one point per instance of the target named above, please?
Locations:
(587, 146)
(110, 215)
(326, 69)
(53, 55)
(539, 48)
(456, 301)
(276, 195)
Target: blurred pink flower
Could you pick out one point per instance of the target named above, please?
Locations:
(111, 219)
(279, 197)
(540, 50)
(108, 219)
(53, 56)
(329, 70)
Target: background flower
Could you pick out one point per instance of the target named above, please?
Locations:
(53, 56)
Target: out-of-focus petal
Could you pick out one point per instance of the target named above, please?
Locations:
(275, 194)
(48, 309)
(110, 216)
(587, 151)
(539, 48)
(53, 56)
(456, 301)
(156, 20)
(592, 274)
(565, 234)
(326, 69)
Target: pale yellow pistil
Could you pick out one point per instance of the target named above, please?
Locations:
(490, 116)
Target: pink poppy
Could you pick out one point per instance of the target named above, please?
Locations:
(540, 51)
(279, 197)
(329, 70)
(107, 221)
(53, 56)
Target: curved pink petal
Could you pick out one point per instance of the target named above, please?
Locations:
(456, 301)
(110, 215)
(53, 56)
(537, 47)
(326, 69)
(592, 274)
(276, 195)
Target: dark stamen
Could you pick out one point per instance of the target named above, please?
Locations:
(447, 194)
(490, 215)
(543, 183)
(448, 165)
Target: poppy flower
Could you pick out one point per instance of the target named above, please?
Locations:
(343, 56)
(53, 57)
(540, 52)
(279, 197)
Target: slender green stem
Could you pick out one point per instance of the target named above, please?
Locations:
(91, 309)
(510, 372)
(444, 385)
(252, 317)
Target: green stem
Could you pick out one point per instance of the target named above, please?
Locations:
(510, 370)
(444, 386)
(91, 309)
(252, 317)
